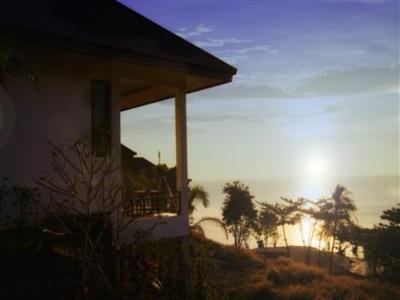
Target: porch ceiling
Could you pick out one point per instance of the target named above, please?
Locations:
(141, 85)
(154, 60)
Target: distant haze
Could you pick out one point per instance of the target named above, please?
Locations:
(316, 96)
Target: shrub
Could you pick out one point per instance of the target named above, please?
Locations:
(286, 272)
(297, 281)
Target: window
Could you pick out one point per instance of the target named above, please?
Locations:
(101, 129)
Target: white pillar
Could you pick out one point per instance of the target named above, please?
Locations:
(181, 152)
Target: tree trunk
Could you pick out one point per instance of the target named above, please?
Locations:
(309, 244)
(235, 235)
(235, 239)
(319, 252)
(303, 240)
(240, 234)
(333, 247)
(331, 256)
(284, 237)
(265, 246)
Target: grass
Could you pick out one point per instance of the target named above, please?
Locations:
(208, 270)
(284, 272)
(294, 280)
(241, 274)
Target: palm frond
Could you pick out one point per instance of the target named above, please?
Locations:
(197, 195)
(198, 229)
(214, 221)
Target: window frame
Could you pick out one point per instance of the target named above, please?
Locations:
(105, 133)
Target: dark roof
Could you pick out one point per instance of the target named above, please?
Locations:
(127, 152)
(107, 28)
(137, 164)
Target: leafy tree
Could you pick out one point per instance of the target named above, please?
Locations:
(312, 210)
(392, 216)
(287, 213)
(275, 236)
(381, 244)
(336, 212)
(238, 211)
(267, 224)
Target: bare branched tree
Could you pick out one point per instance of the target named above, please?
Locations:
(85, 206)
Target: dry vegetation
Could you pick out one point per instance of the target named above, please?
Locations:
(241, 274)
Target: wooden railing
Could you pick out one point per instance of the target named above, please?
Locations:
(144, 203)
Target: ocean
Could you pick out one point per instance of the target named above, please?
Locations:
(371, 194)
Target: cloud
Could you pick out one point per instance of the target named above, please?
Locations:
(247, 50)
(333, 108)
(235, 117)
(340, 83)
(242, 91)
(359, 81)
(220, 42)
(198, 30)
(233, 56)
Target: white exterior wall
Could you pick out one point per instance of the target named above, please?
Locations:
(59, 113)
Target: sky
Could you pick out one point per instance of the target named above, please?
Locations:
(316, 94)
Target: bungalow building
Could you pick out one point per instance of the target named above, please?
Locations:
(95, 58)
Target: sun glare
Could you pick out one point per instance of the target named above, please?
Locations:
(315, 167)
(315, 176)
(310, 233)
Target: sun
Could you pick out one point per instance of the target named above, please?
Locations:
(316, 167)
(315, 171)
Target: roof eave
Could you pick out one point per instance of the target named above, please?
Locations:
(68, 43)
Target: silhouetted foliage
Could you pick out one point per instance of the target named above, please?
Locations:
(4, 191)
(392, 216)
(28, 269)
(238, 211)
(14, 64)
(311, 210)
(381, 245)
(286, 213)
(197, 226)
(19, 221)
(267, 224)
(335, 212)
(197, 194)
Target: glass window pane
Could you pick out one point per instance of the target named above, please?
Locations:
(100, 117)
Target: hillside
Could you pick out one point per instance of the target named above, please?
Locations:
(341, 265)
(242, 274)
